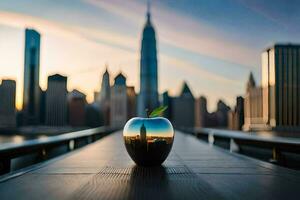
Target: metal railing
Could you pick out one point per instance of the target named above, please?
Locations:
(37, 150)
(244, 142)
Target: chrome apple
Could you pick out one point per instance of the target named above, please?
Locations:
(148, 141)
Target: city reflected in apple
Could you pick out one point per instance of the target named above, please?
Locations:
(148, 140)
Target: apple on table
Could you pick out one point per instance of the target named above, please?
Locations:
(149, 141)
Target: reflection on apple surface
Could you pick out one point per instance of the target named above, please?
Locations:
(148, 140)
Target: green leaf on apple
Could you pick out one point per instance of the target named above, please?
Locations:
(158, 112)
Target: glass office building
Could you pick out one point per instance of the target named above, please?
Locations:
(31, 92)
(281, 86)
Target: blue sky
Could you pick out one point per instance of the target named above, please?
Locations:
(213, 45)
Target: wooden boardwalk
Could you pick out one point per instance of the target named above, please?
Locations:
(193, 170)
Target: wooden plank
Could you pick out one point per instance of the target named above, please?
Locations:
(37, 186)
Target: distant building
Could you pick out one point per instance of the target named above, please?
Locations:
(203, 118)
(119, 101)
(93, 117)
(56, 101)
(201, 113)
(222, 114)
(281, 87)
(7, 103)
(42, 107)
(76, 104)
(96, 96)
(167, 101)
(31, 93)
(239, 109)
(183, 108)
(148, 97)
(253, 107)
(104, 94)
(122, 102)
(104, 97)
(131, 102)
(236, 116)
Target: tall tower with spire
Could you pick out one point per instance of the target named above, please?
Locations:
(148, 97)
(104, 97)
(105, 86)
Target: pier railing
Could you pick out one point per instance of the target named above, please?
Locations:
(281, 150)
(17, 155)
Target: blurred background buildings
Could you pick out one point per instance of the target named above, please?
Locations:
(7, 103)
(272, 105)
(275, 103)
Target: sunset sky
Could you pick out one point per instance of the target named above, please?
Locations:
(213, 45)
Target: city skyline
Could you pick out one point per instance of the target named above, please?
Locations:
(113, 35)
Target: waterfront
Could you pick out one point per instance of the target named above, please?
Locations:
(18, 138)
(21, 134)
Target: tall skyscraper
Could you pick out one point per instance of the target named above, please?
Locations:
(7, 103)
(281, 86)
(148, 97)
(56, 101)
(104, 94)
(31, 93)
(104, 97)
